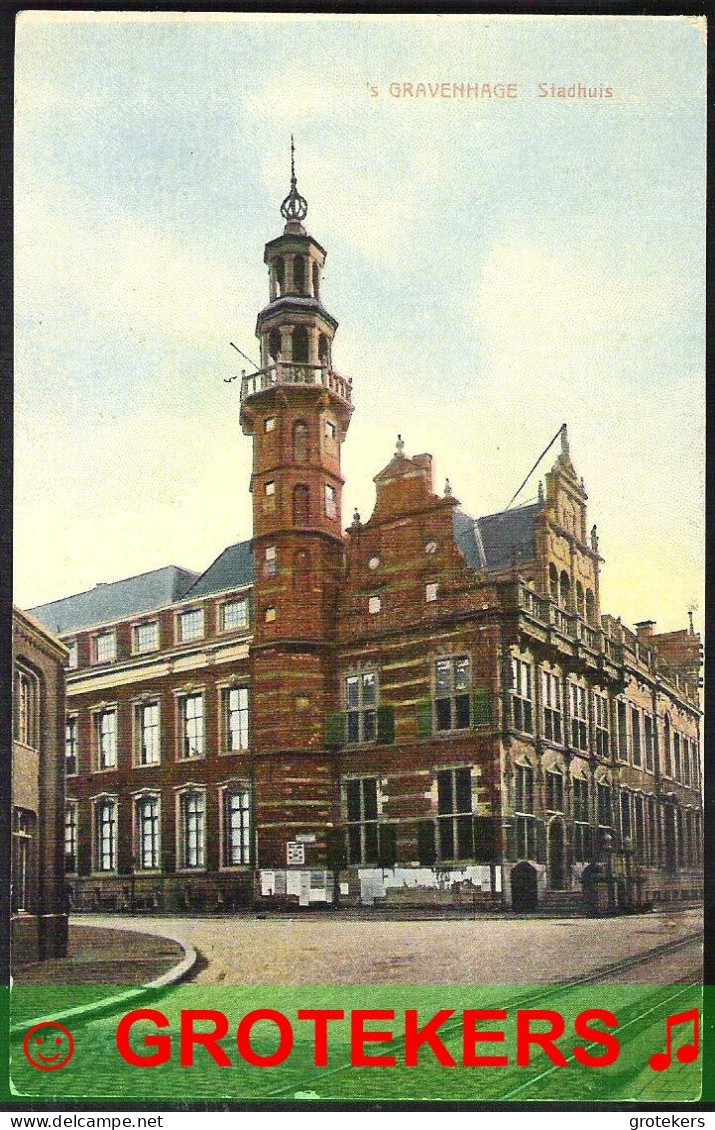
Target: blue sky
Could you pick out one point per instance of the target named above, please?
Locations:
(497, 267)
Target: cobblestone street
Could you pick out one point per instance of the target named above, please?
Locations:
(338, 950)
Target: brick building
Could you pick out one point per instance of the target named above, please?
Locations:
(425, 708)
(37, 892)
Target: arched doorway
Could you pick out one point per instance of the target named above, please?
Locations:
(524, 894)
(556, 855)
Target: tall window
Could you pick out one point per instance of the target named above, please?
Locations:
(622, 731)
(301, 505)
(603, 804)
(106, 834)
(361, 705)
(677, 765)
(551, 690)
(639, 837)
(331, 501)
(652, 831)
(147, 833)
(192, 725)
(71, 746)
(300, 344)
(105, 647)
(582, 824)
(146, 637)
(147, 723)
(555, 790)
(73, 656)
(521, 696)
(636, 735)
(237, 826)
(626, 829)
(27, 702)
(649, 743)
(564, 589)
(452, 693)
(580, 601)
(602, 723)
(553, 582)
(454, 813)
(191, 625)
(269, 497)
(590, 607)
(686, 761)
(234, 615)
(299, 276)
(524, 812)
(106, 734)
(667, 749)
(192, 812)
(235, 705)
(361, 805)
(23, 865)
(270, 563)
(300, 442)
(579, 716)
(71, 836)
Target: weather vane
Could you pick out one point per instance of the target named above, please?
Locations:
(295, 206)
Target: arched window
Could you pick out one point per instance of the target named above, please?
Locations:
(553, 581)
(323, 350)
(274, 345)
(300, 344)
(590, 607)
(580, 604)
(316, 281)
(301, 570)
(279, 273)
(564, 588)
(301, 505)
(299, 274)
(300, 441)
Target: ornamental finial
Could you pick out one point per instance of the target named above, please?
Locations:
(400, 446)
(295, 206)
(447, 488)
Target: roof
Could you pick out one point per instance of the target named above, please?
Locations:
(116, 601)
(232, 569)
(489, 542)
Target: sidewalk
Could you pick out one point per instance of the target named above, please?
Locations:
(99, 956)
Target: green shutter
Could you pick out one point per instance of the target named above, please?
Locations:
(335, 849)
(335, 729)
(388, 844)
(424, 718)
(386, 724)
(426, 844)
(481, 707)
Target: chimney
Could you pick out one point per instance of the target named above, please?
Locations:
(644, 630)
(425, 463)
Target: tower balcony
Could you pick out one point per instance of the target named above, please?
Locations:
(296, 373)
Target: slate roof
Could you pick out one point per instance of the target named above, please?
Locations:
(116, 601)
(231, 570)
(488, 542)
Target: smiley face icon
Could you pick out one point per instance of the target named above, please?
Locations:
(48, 1045)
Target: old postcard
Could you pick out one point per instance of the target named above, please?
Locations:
(359, 539)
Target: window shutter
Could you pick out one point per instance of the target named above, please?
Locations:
(540, 841)
(388, 844)
(335, 849)
(426, 845)
(386, 724)
(485, 847)
(335, 729)
(424, 718)
(481, 707)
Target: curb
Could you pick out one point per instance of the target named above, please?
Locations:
(172, 976)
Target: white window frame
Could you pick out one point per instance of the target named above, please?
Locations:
(98, 803)
(602, 724)
(364, 712)
(26, 714)
(137, 629)
(72, 741)
(235, 602)
(182, 798)
(71, 807)
(110, 636)
(73, 654)
(243, 790)
(138, 800)
(139, 708)
(454, 817)
(578, 716)
(241, 710)
(522, 694)
(452, 693)
(185, 718)
(183, 618)
(110, 710)
(552, 706)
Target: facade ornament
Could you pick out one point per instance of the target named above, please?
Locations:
(541, 491)
(356, 517)
(447, 488)
(594, 539)
(564, 442)
(400, 447)
(295, 206)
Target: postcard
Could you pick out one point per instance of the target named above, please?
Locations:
(359, 539)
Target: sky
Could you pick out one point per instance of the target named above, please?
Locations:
(497, 267)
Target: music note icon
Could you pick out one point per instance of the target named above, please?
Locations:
(660, 1060)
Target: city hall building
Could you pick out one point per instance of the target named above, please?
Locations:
(424, 709)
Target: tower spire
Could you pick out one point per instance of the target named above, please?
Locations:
(295, 206)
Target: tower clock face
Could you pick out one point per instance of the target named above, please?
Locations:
(431, 547)
(374, 562)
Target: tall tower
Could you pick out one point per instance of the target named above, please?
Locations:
(297, 408)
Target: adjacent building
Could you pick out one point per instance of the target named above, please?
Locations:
(425, 708)
(37, 891)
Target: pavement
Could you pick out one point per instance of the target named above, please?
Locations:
(100, 956)
(315, 950)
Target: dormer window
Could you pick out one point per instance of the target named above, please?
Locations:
(105, 647)
(191, 625)
(73, 656)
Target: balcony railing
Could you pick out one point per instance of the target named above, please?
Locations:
(568, 624)
(296, 373)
